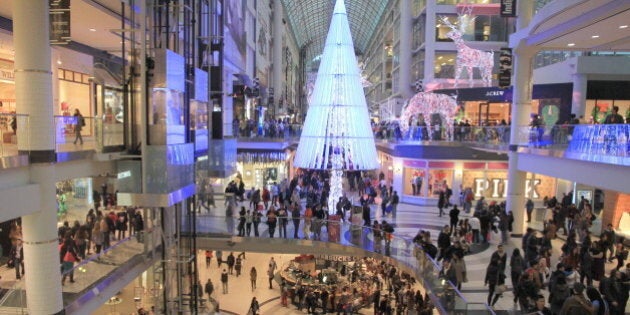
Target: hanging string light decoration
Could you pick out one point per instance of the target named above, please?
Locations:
(337, 135)
(261, 157)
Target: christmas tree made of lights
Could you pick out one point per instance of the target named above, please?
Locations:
(337, 135)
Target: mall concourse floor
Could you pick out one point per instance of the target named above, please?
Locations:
(410, 219)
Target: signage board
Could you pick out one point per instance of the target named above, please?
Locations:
(508, 8)
(59, 11)
(505, 67)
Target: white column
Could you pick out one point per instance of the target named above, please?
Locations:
(578, 101)
(278, 28)
(406, 20)
(33, 94)
(521, 110)
(429, 41)
(41, 254)
(33, 76)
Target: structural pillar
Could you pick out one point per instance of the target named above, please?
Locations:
(578, 99)
(34, 97)
(404, 68)
(521, 111)
(278, 28)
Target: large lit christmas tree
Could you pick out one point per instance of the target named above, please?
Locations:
(337, 135)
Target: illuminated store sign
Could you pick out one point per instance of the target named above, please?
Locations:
(498, 187)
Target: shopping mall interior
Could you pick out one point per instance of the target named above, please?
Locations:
(150, 147)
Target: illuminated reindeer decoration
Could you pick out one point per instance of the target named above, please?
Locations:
(467, 57)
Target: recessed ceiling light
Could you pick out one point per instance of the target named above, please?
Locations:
(595, 36)
(623, 26)
(571, 44)
(92, 30)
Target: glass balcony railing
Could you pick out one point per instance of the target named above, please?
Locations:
(96, 134)
(612, 140)
(9, 126)
(290, 133)
(446, 298)
(89, 272)
(601, 139)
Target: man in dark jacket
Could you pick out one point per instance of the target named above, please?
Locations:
(230, 262)
(577, 304)
(454, 214)
(610, 288)
(444, 241)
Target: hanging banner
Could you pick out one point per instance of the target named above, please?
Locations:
(505, 67)
(508, 8)
(59, 21)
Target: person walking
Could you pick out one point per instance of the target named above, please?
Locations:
(238, 266)
(219, 255)
(394, 203)
(254, 307)
(253, 274)
(230, 262)
(79, 124)
(209, 288)
(295, 216)
(441, 202)
(517, 266)
(271, 271)
(454, 214)
(224, 281)
(495, 280)
(69, 255)
(529, 206)
(16, 255)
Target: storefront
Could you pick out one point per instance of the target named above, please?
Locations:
(601, 96)
(492, 105)
(424, 179)
(263, 168)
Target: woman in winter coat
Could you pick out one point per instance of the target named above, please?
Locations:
(494, 278)
(97, 238)
(517, 266)
(460, 268)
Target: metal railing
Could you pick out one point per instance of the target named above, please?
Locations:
(445, 296)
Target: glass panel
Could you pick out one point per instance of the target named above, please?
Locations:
(444, 65)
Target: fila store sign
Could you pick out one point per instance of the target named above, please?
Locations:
(498, 187)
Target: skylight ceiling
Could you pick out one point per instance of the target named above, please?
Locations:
(310, 20)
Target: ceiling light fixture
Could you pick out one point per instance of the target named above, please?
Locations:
(92, 30)
(595, 36)
(623, 26)
(571, 44)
